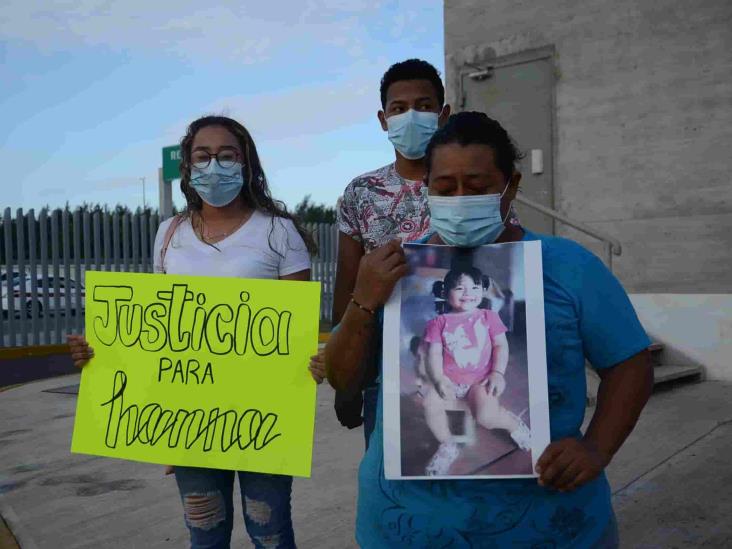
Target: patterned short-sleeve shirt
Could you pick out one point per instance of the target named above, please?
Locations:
(381, 205)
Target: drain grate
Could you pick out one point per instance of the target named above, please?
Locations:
(65, 390)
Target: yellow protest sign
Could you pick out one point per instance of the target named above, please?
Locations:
(199, 371)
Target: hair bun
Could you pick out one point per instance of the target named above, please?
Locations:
(438, 289)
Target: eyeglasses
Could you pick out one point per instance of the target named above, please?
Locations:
(226, 158)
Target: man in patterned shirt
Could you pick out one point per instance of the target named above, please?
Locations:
(390, 202)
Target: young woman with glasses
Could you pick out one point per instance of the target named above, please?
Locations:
(232, 227)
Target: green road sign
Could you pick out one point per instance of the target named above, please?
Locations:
(171, 162)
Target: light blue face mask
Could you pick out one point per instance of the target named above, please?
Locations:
(215, 185)
(410, 132)
(467, 221)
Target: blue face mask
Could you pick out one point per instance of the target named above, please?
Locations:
(410, 132)
(215, 185)
(467, 221)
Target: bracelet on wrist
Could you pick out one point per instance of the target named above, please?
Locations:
(357, 304)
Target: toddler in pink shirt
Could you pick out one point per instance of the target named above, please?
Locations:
(467, 356)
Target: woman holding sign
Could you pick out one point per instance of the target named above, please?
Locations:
(588, 316)
(232, 228)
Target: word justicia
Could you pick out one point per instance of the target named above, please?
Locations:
(220, 328)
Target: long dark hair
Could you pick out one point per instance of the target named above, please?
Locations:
(255, 191)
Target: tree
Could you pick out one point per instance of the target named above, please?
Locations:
(309, 212)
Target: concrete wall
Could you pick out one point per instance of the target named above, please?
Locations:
(643, 138)
(695, 329)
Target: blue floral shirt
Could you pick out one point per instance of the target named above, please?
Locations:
(588, 316)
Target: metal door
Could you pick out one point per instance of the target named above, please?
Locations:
(518, 91)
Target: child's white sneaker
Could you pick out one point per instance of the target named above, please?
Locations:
(444, 457)
(522, 435)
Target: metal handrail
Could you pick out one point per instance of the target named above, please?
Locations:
(612, 245)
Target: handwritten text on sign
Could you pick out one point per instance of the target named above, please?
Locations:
(199, 371)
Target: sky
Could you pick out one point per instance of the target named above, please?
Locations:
(93, 89)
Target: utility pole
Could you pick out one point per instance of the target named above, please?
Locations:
(143, 194)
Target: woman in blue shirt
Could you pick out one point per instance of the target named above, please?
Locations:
(588, 317)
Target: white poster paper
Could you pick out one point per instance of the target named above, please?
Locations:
(465, 382)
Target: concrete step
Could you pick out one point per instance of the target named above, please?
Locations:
(671, 372)
(662, 373)
(656, 350)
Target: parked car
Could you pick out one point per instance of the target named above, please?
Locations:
(15, 275)
(9, 284)
(67, 289)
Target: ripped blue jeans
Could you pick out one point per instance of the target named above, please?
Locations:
(207, 496)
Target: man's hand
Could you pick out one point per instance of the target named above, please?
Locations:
(495, 384)
(569, 463)
(378, 273)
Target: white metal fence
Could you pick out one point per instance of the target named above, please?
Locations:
(44, 259)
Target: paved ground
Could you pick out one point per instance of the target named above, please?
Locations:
(51, 498)
(671, 480)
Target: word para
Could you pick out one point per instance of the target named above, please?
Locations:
(186, 373)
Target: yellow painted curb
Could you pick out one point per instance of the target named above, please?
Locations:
(35, 350)
(323, 337)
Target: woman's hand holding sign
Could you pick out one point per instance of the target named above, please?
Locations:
(81, 353)
(317, 367)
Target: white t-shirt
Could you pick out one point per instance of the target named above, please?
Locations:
(247, 253)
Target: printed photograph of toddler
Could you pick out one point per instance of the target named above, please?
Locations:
(463, 371)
